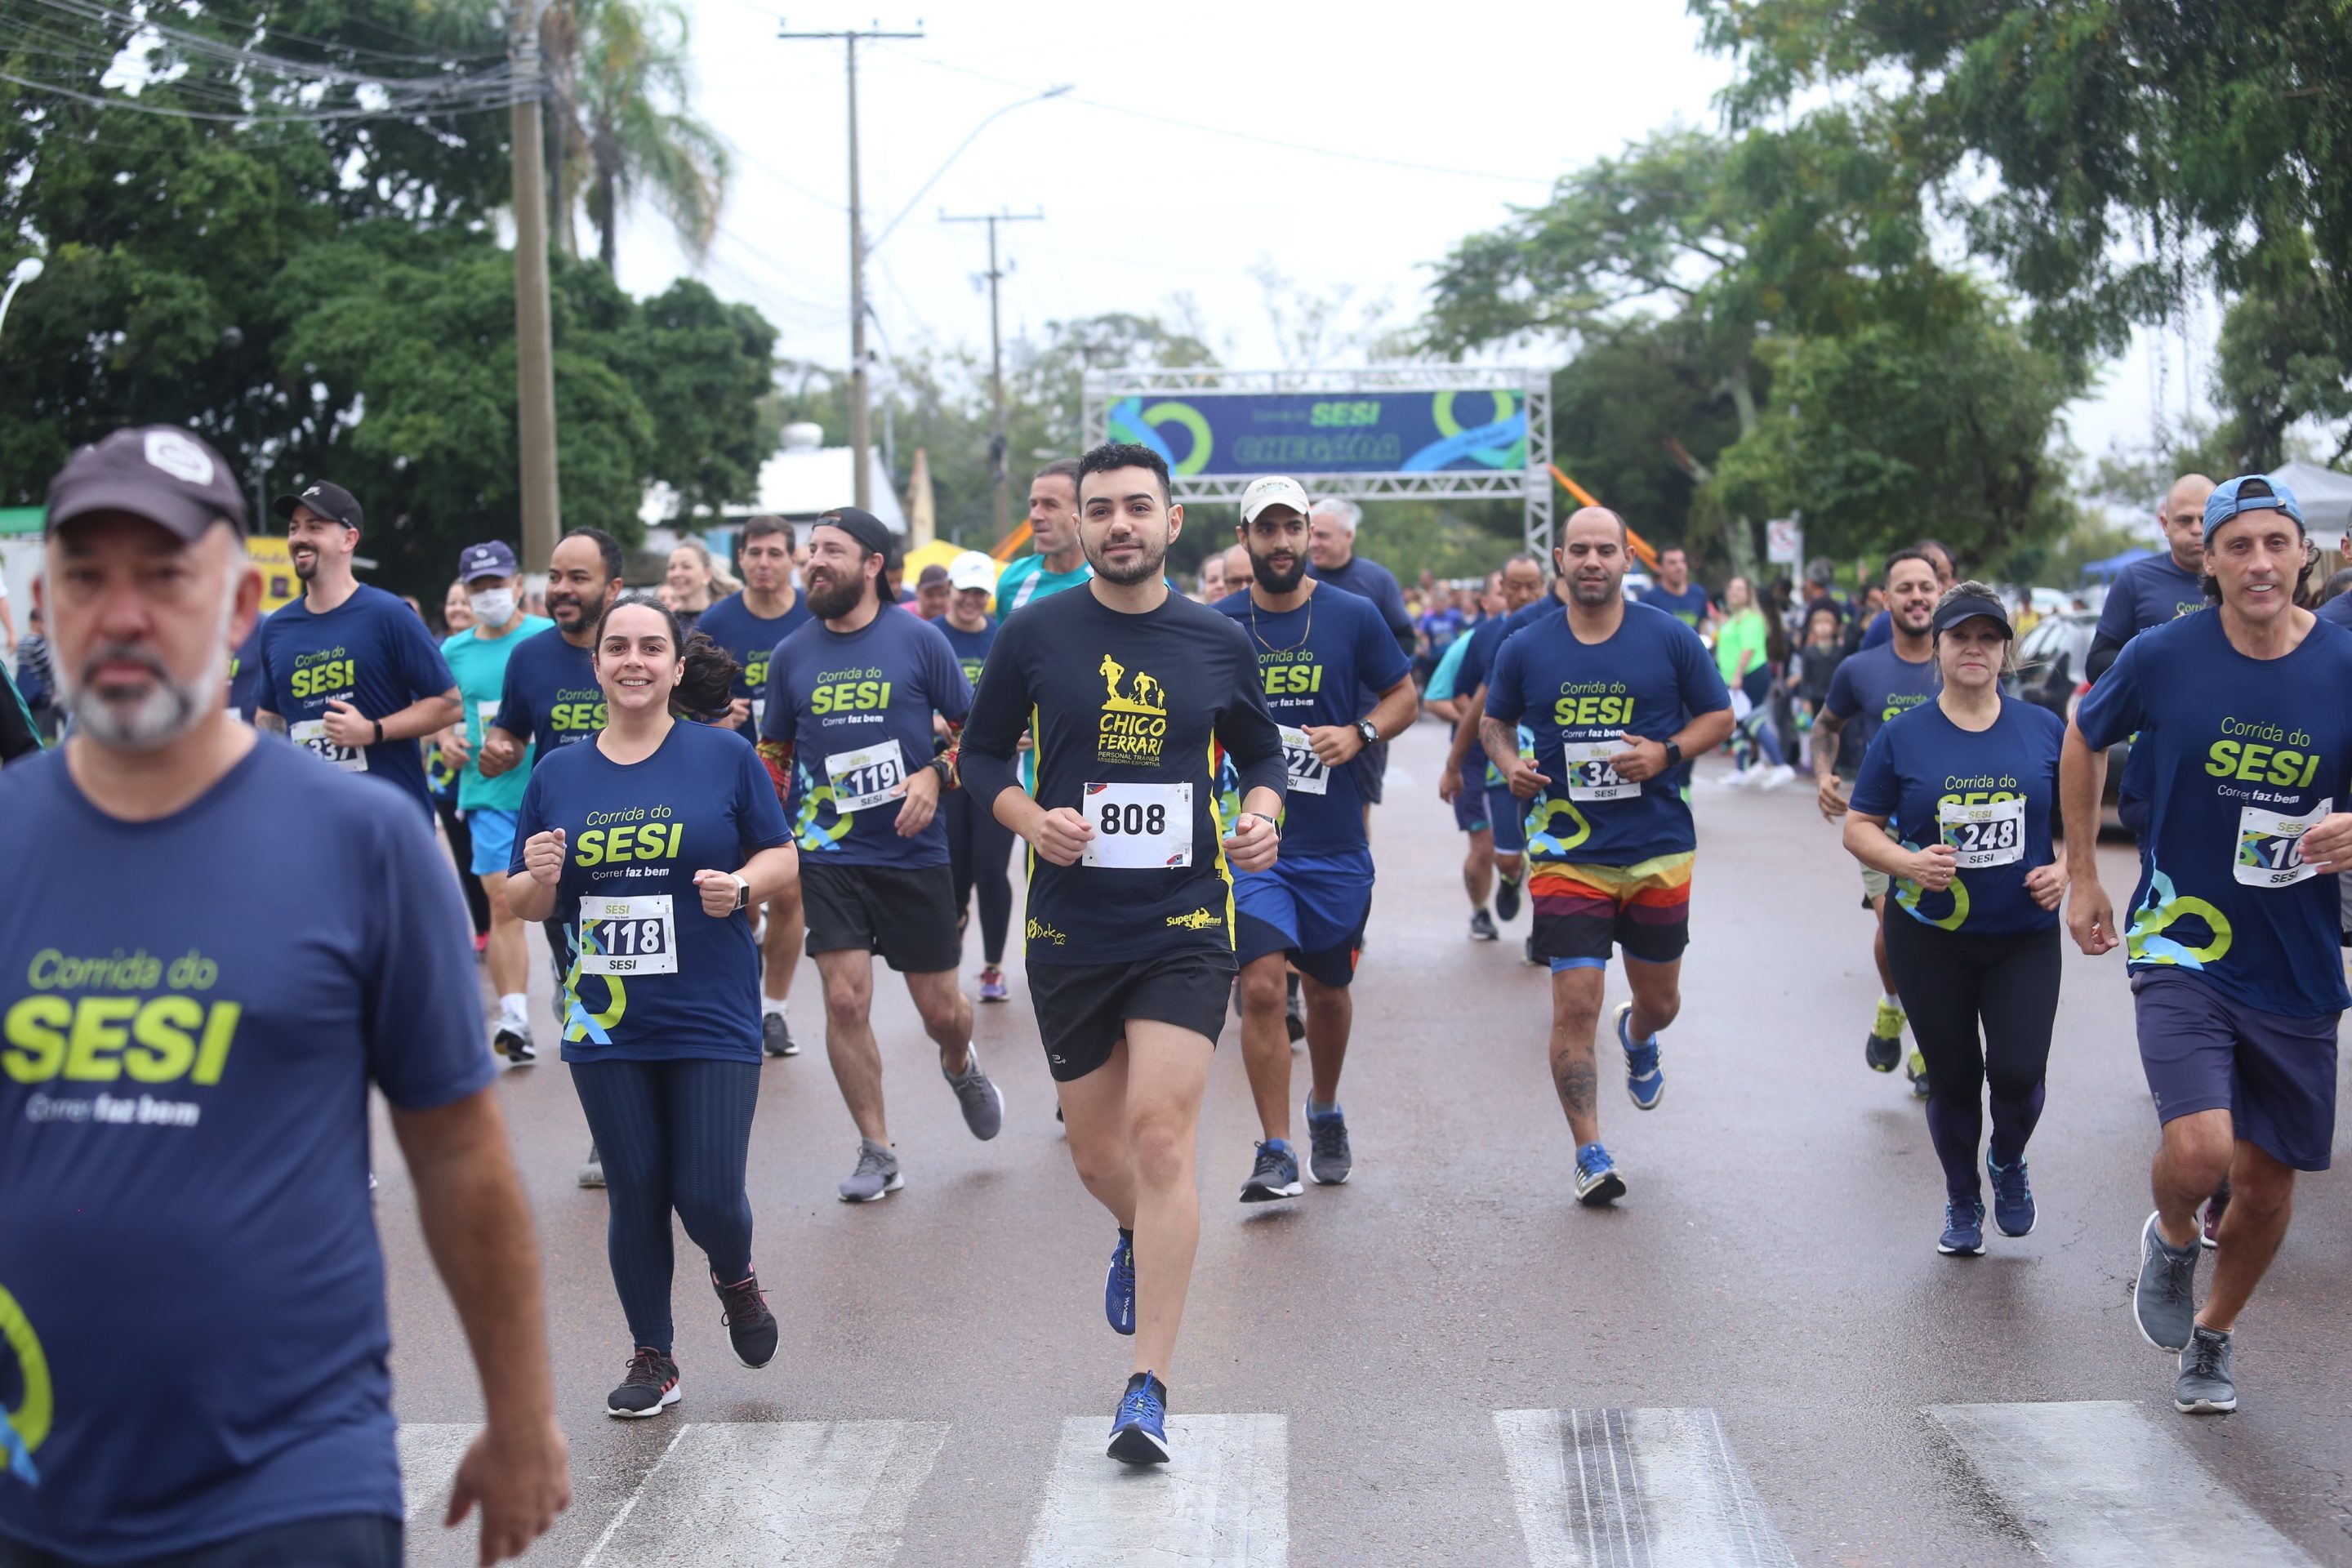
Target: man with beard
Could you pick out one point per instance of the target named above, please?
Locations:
(1868, 690)
(1131, 951)
(847, 737)
(1317, 645)
(748, 625)
(347, 672)
(245, 1003)
(550, 699)
(1604, 688)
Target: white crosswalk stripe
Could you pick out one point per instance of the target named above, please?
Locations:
(1634, 1489)
(429, 1455)
(1222, 1503)
(751, 1494)
(2102, 1484)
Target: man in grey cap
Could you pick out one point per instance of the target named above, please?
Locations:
(347, 672)
(229, 1011)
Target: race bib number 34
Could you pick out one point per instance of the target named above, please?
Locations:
(1590, 777)
(310, 734)
(2270, 846)
(1138, 827)
(628, 936)
(865, 777)
(1990, 834)
(1308, 776)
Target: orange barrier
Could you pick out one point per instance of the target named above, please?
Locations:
(1642, 553)
(1012, 544)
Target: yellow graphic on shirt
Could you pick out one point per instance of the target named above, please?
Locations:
(24, 1429)
(178, 1037)
(1199, 920)
(1134, 723)
(1040, 931)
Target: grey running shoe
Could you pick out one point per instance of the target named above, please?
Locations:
(776, 1036)
(591, 1169)
(2205, 1388)
(1275, 1175)
(1328, 1158)
(983, 1101)
(2164, 1303)
(876, 1175)
(1482, 927)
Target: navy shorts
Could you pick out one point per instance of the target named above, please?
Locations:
(1372, 766)
(1083, 1009)
(2274, 1075)
(1311, 907)
(1493, 806)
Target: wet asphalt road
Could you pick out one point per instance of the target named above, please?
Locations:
(1773, 1264)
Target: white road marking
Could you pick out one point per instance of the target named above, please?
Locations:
(1634, 1489)
(2103, 1484)
(754, 1494)
(429, 1454)
(1223, 1502)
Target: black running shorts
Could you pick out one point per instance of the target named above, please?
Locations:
(1083, 1008)
(906, 913)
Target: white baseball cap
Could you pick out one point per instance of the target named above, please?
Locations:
(1274, 489)
(972, 570)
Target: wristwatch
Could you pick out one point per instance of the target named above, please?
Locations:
(1674, 755)
(1368, 731)
(379, 731)
(1271, 826)
(742, 894)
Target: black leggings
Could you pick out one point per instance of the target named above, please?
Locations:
(1951, 981)
(673, 1135)
(980, 851)
(461, 849)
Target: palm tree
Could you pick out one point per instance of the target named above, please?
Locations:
(619, 89)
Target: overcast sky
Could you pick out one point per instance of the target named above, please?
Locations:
(1165, 169)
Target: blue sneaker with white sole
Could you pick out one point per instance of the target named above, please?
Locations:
(2012, 1197)
(1645, 1080)
(1963, 1228)
(1138, 1433)
(1119, 1285)
(1597, 1181)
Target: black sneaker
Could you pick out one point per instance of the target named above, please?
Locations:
(649, 1387)
(1507, 896)
(1482, 927)
(1293, 1011)
(512, 1041)
(2215, 1208)
(750, 1325)
(776, 1036)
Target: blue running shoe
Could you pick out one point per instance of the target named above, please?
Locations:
(1597, 1181)
(2012, 1199)
(1963, 1229)
(1138, 1433)
(1276, 1175)
(1645, 1080)
(1119, 1287)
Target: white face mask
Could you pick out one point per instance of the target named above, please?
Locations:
(494, 606)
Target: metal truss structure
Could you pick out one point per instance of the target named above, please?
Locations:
(1531, 485)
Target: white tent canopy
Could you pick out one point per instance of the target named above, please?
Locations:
(2325, 495)
(799, 482)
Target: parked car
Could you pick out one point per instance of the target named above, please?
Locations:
(2054, 672)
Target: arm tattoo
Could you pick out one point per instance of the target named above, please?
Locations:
(1501, 740)
(274, 722)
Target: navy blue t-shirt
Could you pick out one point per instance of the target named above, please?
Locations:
(187, 1241)
(970, 647)
(2149, 593)
(1312, 662)
(751, 639)
(2337, 609)
(1689, 606)
(1869, 690)
(654, 979)
(1879, 633)
(2241, 751)
(372, 652)
(857, 710)
(1571, 695)
(245, 672)
(551, 694)
(1371, 580)
(1988, 795)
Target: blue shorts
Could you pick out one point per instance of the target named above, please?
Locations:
(1310, 907)
(493, 832)
(1480, 805)
(2274, 1075)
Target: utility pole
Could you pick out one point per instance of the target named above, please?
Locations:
(534, 336)
(860, 391)
(1000, 503)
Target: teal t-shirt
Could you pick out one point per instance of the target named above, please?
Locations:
(1027, 579)
(480, 666)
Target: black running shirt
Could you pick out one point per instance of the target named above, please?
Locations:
(1124, 700)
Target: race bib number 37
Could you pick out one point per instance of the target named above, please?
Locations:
(865, 777)
(628, 936)
(1138, 827)
(2270, 846)
(1989, 834)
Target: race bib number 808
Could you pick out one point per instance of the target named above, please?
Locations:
(1138, 827)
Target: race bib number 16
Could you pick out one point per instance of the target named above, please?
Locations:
(2270, 846)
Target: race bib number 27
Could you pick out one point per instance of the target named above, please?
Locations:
(1308, 774)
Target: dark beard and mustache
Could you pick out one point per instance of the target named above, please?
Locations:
(1152, 565)
(1262, 568)
(831, 597)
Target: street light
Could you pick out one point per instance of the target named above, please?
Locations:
(24, 273)
(916, 200)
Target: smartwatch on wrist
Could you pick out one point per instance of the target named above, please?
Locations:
(742, 894)
(1271, 825)
(1674, 755)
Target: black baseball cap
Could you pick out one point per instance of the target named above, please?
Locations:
(330, 500)
(160, 472)
(1967, 607)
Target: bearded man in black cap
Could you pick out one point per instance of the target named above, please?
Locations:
(848, 736)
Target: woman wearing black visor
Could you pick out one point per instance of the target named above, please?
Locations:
(1969, 783)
